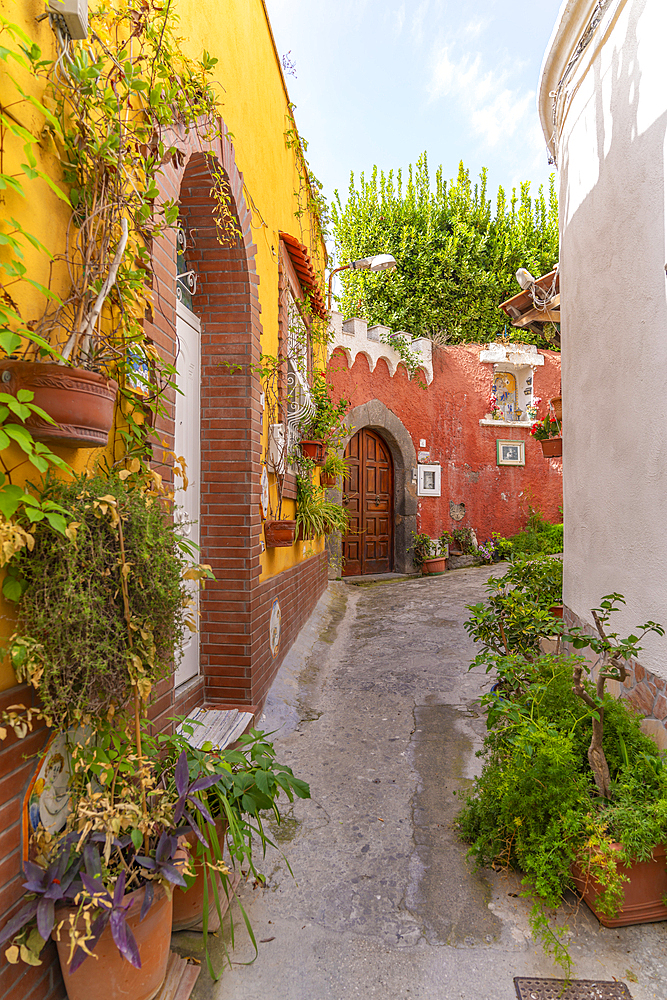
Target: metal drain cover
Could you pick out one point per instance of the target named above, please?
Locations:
(576, 989)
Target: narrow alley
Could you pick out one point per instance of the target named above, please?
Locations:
(376, 709)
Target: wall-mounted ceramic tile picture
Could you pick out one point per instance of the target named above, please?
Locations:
(510, 452)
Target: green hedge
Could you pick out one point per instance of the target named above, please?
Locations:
(547, 539)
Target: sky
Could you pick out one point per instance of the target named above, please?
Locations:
(380, 83)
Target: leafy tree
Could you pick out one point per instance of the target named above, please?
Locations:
(456, 257)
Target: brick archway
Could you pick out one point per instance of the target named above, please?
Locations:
(226, 301)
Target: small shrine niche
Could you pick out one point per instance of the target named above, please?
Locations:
(513, 386)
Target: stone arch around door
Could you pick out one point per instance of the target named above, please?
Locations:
(377, 417)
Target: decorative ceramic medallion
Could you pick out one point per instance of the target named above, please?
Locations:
(264, 501)
(274, 628)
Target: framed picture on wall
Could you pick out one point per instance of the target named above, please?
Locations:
(510, 452)
(428, 480)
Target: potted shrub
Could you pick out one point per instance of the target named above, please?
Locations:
(572, 792)
(102, 608)
(464, 541)
(548, 433)
(334, 466)
(430, 555)
(235, 803)
(315, 514)
(103, 884)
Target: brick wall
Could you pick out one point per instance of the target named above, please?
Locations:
(298, 590)
(17, 766)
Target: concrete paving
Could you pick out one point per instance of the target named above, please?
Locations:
(375, 707)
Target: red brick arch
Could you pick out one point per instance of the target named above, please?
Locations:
(227, 304)
(237, 666)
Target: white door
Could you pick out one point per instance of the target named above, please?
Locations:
(187, 445)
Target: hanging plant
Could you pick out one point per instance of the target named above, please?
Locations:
(102, 617)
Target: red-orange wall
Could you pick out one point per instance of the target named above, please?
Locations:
(447, 415)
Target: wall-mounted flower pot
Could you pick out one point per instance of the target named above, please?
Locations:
(314, 450)
(434, 567)
(556, 610)
(326, 480)
(80, 402)
(279, 534)
(552, 447)
(110, 975)
(643, 894)
(557, 407)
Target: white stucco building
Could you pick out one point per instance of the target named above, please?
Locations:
(603, 108)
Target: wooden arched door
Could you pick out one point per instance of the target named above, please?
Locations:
(368, 495)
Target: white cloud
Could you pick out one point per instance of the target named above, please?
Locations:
(475, 28)
(418, 22)
(398, 18)
(494, 109)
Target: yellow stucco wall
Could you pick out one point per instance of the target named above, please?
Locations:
(255, 110)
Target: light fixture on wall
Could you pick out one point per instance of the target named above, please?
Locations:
(186, 279)
(380, 262)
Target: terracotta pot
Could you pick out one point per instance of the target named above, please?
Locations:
(279, 534)
(556, 610)
(557, 407)
(313, 450)
(643, 894)
(326, 480)
(80, 402)
(552, 447)
(110, 975)
(189, 903)
(434, 567)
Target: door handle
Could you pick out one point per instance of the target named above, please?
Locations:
(345, 499)
(377, 501)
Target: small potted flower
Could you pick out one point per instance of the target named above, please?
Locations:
(494, 409)
(531, 408)
(548, 433)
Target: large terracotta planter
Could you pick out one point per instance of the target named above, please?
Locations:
(552, 447)
(189, 903)
(279, 534)
(434, 567)
(643, 894)
(313, 450)
(80, 402)
(557, 407)
(110, 976)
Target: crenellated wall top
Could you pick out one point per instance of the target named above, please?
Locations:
(355, 336)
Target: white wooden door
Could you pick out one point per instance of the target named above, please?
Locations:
(187, 444)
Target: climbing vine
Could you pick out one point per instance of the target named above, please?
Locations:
(96, 122)
(310, 194)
